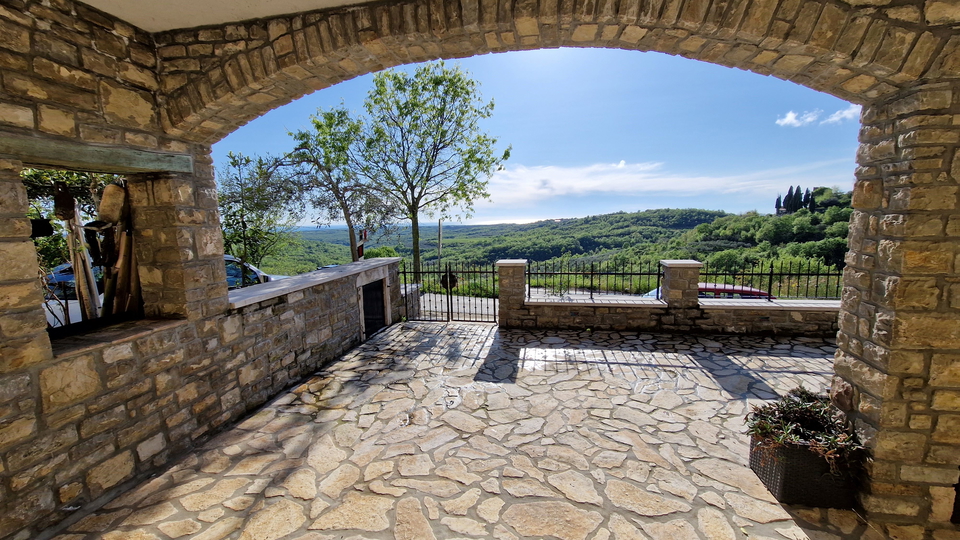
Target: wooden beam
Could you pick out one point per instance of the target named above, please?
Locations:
(75, 155)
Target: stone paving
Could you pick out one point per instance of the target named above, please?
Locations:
(433, 430)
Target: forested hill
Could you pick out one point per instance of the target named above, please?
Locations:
(541, 240)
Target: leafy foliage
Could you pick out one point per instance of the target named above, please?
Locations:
(423, 148)
(258, 208)
(326, 165)
(806, 419)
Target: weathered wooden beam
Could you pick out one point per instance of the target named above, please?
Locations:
(74, 155)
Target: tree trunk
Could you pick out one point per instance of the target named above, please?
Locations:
(353, 239)
(415, 231)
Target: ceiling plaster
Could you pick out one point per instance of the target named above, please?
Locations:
(160, 15)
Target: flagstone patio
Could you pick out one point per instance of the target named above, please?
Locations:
(433, 430)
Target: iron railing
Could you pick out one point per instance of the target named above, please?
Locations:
(573, 279)
(770, 280)
(450, 292)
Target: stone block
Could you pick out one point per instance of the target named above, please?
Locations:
(945, 370)
(942, 504)
(15, 430)
(110, 473)
(151, 447)
(68, 382)
(900, 446)
(926, 330)
(929, 475)
(946, 400)
(127, 107)
(947, 430)
(16, 115)
(890, 505)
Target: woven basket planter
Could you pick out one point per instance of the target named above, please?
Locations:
(795, 475)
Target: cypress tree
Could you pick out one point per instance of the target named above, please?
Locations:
(788, 201)
(779, 203)
(797, 199)
(806, 197)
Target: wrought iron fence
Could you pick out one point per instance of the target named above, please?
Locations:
(450, 292)
(573, 279)
(770, 280)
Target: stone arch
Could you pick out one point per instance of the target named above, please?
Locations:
(216, 79)
(81, 88)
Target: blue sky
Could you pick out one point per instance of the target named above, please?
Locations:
(596, 131)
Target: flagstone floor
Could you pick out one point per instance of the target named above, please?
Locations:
(440, 431)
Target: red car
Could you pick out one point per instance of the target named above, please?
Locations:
(724, 290)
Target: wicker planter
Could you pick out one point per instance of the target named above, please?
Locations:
(795, 475)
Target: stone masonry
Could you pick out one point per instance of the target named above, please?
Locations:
(80, 89)
(679, 309)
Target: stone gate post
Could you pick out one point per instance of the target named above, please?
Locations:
(513, 287)
(680, 291)
(898, 362)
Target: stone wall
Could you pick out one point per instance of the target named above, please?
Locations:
(898, 364)
(680, 310)
(108, 408)
(80, 89)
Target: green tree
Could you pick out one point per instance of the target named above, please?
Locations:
(326, 165)
(259, 207)
(424, 148)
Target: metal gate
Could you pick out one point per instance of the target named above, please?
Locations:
(450, 292)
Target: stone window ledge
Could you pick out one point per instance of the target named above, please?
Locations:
(260, 293)
(774, 305)
(111, 335)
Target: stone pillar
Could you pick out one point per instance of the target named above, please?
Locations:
(680, 291)
(898, 362)
(23, 324)
(178, 242)
(513, 290)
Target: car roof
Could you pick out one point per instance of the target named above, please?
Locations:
(727, 287)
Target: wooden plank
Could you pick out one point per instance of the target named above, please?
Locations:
(73, 155)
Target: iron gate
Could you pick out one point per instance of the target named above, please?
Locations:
(450, 292)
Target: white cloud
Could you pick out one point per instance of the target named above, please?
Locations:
(850, 113)
(518, 185)
(792, 119)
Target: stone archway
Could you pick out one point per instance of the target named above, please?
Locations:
(83, 89)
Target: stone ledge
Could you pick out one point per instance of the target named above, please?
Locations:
(111, 335)
(709, 304)
(251, 295)
(651, 303)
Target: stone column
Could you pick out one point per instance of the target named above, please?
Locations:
(898, 362)
(513, 290)
(178, 242)
(23, 324)
(680, 291)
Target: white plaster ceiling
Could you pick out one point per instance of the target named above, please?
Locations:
(159, 15)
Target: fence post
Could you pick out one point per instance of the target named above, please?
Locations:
(680, 290)
(513, 279)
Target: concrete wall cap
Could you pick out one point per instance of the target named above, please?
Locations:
(681, 263)
(511, 262)
(259, 293)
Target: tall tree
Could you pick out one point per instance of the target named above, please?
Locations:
(325, 163)
(424, 148)
(788, 201)
(779, 204)
(259, 207)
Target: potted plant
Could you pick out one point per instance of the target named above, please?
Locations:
(804, 452)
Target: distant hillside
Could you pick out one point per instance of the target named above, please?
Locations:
(539, 241)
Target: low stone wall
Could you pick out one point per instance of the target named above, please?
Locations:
(113, 406)
(679, 311)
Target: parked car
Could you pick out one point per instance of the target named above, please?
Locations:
(246, 275)
(61, 286)
(723, 290)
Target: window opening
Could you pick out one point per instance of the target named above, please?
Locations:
(81, 228)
